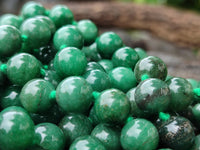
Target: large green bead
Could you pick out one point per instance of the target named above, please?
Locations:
(10, 40)
(61, 15)
(106, 64)
(94, 66)
(112, 106)
(196, 145)
(10, 19)
(122, 78)
(152, 66)
(126, 57)
(22, 67)
(16, 129)
(152, 96)
(70, 62)
(74, 126)
(108, 136)
(108, 43)
(141, 53)
(139, 134)
(181, 93)
(87, 142)
(74, 94)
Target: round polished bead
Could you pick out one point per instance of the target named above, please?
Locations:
(196, 145)
(139, 134)
(126, 57)
(94, 66)
(52, 77)
(89, 31)
(10, 40)
(152, 66)
(16, 128)
(22, 67)
(141, 53)
(196, 112)
(74, 94)
(10, 19)
(74, 126)
(70, 62)
(112, 106)
(106, 64)
(108, 43)
(87, 142)
(122, 78)
(108, 136)
(181, 93)
(61, 15)
(99, 80)
(152, 96)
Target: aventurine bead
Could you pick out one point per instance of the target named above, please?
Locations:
(70, 61)
(94, 66)
(106, 64)
(74, 95)
(16, 128)
(141, 53)
(10, 19)
(139, 134)
(152, 66)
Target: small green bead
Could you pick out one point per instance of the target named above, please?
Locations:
(52, 77)
(112, 106)
(108, 136)
(61, 15)
(94, 66)
(108, 43)
(139, 134)
(126, 57)
(35, 94)
(89, 31)
(196, 145)
(106, 64)
(87, 142)
(153, 66)
(122, 78)
(16, 128)
(10, 40)
(74, 126)
(74, 94)
(141, 53)
(70, 61)
(10, 19)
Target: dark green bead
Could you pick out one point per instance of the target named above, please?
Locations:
(108, 43)
(165, 149)
(22, 67)
(108, 136)
(181, 93)
(152, 96)
(10, 40)
(74, 94)
(16, 128)
(10, 19)
(122, 78)
(61, 15)
(196, 112)
(48, 136)
(74, 126)
(52, 77)
(112, 106)
(139, 134)
(70, 62)
(87, 142)
(99, 80)
(89, 31)
(152, 66)
(141, 53)
(94, 66)
(106, 64)
(126, 57)
(93, 117)
(2, 76)
(196, 145)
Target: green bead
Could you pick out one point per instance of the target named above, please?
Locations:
(87, 142)
(32, 9)
(70, 62)
(181, 93)
(22, 67)
(89, 31)
(112, 106)
(108, 136)
(94, 66)
(99, 80)
(196, 145)
(2, 76)
(93, 117)
(49, 136)
(139, 134)
(74, 94)
(52, 77)
(196, 112)
(108, 43)
(141, 53)
(106, 64)
(126, 57)
(152, 96)
(10, 40)
(193, 82)
(74, 126)
(10, 19)
(122, 78)
(61, 15)
(152, 66)
(16, 128)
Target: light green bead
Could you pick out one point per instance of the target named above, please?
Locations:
(10, 19)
